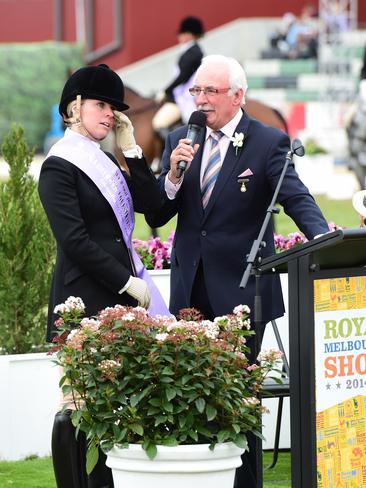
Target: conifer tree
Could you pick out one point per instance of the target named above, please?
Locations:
(26, 252)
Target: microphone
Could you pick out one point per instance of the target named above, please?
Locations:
(297, 148)
(196, 121)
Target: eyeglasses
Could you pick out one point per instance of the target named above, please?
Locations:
(208, 91)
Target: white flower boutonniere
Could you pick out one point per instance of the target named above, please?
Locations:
(237, 140)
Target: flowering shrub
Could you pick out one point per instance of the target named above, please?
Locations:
(159, 380)
(154, 253)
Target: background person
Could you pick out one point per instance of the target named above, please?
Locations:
(359, 204)
(177, 102)
(89, 203)
(218, 219)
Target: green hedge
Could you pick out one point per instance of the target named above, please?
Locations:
(32, 76)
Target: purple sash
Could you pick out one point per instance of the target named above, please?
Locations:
(87, 156)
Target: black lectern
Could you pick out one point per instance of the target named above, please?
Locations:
(327, 339)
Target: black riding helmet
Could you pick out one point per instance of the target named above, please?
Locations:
(95, 82)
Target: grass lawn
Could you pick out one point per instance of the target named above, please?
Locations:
(38, 473)
(338, 211)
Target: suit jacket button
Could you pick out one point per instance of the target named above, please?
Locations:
(203, 233)
(194, 263)
(117, 239)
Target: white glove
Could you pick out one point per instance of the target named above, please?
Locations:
(160, 97)
(139, 290)
(124, 131)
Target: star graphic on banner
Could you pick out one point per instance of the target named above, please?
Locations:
(338, 385)
(328, 386)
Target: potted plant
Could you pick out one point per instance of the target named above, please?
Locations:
(146, 386)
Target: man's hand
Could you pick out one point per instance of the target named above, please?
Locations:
(124, 131)
(183, 152)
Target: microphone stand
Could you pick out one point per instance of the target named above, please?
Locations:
(253, 258)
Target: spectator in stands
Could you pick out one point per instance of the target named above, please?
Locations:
(177, 103)
(334, 17)
(278, 38)
(297, 37)
(302, 36)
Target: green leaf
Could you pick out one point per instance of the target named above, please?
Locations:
(200, 405)
(137, 428)
(167, 406)
(181, 421)
(236, 428)
(211, 412)
(151, 451)
(193, 435)
(92, 456)
(155, 402)
(160, 419)
(119, 438)
(170, 441)
(134, 400)
(204, 431)
(170, 393)
(166, 379)
(223, 435)
(241, 441)
(66, 389)
(167, 370)
(185, 379)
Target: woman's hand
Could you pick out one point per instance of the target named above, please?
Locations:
(124, 131)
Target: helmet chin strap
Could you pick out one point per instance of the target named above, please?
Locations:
(75, 123)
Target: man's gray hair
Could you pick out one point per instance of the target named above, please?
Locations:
(237, 76)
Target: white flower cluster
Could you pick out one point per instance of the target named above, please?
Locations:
(251, 402)
(71, 304)
(269, 355)
(108, 365)
(241, 310)
(212, 330)
(161, 337)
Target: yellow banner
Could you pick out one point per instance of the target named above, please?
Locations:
(340, 378)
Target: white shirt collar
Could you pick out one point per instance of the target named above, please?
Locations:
(68, 130)
(230, 127)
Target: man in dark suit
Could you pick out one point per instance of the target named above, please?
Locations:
(176, 93)
(219, 217)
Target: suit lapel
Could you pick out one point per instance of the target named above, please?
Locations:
(229, 164)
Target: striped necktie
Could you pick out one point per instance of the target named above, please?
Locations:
(212, 169)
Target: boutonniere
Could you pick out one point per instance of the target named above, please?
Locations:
(242, 179)
(237, 140)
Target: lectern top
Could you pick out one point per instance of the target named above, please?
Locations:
(338, 249)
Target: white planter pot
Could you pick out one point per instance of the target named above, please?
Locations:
(29, 396)
(161, 278)
(193, 466)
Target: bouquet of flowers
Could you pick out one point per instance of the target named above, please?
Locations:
(160, 380)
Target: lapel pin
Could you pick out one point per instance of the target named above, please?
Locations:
(242, 179)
